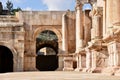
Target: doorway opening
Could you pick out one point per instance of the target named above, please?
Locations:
(47, 50)
(6, 60)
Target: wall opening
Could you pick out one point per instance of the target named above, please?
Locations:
(47, 50)
(6, 60)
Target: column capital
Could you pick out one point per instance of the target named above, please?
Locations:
(78, 5)
(97, 11)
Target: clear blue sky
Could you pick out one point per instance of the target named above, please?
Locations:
(42, 4)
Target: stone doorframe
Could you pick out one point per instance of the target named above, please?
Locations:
(11, 48)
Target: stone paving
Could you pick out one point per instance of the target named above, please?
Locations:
(57, 75)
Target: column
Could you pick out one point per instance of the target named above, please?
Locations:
(87, 27)
(116, 11)
(97, 26)
(79, 28)
(116, 46)
(88, 60)
(93, 59)
(79, 62)
(104, 18)
(118, 53)
(64, 33)
(109, 14)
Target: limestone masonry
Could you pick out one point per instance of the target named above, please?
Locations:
(88, 40)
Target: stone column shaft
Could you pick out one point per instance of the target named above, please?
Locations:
(116, 11)
(94, 59)
(79, 62)
(88, 59)
(79, 28)
(64, 32)
(104, 18)
(96, 30)
(109, 14)
(87, 27)
(97, 26)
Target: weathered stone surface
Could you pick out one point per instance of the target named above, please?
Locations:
(88, 41)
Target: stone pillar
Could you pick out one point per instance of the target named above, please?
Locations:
(87, 27)
(109, 15)
(93, 59)
(104, 18)
(79, 62)
(79, 28)
(64, 33)
(88, 59)
(20, 60)
(30, 63)
(98, 26)
(116, 11)
(116, 58)
(96, 31)
(118, 53)
(30, 57)
(97, 23)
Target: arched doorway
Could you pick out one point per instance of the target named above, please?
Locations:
(6, 60)
(47, 50)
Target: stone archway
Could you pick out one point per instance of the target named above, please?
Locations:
(6, 60)
(13, 54)
(47, 59)
(56, 31)
(39, 30)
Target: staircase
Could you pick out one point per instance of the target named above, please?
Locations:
(8, 18)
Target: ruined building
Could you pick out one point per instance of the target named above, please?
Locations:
(87, 40)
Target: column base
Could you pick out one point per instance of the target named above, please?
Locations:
(68, 69)
(86, 70)
(78, 69)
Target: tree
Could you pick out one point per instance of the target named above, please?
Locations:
(9, 6)
(16, 10)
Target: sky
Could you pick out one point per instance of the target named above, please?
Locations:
(43, 5)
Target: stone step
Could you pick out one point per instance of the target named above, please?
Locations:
(10, 18)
